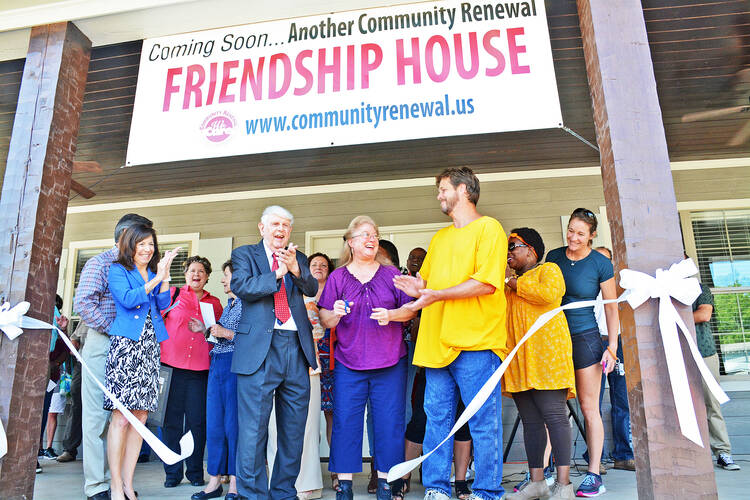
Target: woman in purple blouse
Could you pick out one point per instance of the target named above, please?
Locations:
(359, 299)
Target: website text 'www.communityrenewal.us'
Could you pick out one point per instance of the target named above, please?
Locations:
(366, 114)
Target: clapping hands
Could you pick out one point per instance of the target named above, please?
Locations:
(287, 261)
(162, 268)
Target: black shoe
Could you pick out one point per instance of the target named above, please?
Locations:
(171, 483)
(197, 483)
(38, 467)
(142, 459)
(231, 496)
(49, 453)
(202, 495)
(102, 495)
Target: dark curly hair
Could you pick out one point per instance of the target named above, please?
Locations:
(331, 265)
(200, 260)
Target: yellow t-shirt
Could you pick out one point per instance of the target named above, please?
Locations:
(479, 251)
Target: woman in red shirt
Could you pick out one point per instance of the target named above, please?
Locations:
(186, 352)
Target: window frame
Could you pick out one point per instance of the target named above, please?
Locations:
(105, 244)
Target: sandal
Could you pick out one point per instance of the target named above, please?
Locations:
(462, 489)
(335, 481)
(372, 486)
(398, 489)
(407, 484)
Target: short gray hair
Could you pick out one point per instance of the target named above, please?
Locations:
(276, 210)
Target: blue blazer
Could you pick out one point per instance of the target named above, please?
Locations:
(131, 301)
(254, 283)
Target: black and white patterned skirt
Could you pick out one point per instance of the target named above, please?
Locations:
(132, 370)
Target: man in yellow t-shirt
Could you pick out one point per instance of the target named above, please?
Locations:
(462, 332)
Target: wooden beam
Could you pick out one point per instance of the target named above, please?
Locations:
(642, 209)
(87, 166)
(81, 189)
(32, 220)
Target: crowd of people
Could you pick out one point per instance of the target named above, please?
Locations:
(408, 347)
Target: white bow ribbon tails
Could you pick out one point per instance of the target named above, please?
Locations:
(12, 320)
(675, 282)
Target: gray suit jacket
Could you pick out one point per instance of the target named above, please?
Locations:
(254, 283)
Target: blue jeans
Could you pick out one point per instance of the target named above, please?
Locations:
(618, 396)
(221, 416)
(464, 377)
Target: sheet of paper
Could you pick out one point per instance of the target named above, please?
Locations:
(207, 311)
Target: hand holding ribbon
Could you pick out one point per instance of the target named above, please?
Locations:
(675, 282)
(12, 320)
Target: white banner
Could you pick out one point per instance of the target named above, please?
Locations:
(383, 74)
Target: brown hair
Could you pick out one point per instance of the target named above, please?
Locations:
(346, 251)
(465, 176)
(200, 260)
(331, 265)
(128, 243)
(588, 217)
(227, 264)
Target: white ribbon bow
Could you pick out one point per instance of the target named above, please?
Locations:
(674, 283)
(639, 287)
(12, 320)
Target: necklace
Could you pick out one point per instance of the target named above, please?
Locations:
(573, 262)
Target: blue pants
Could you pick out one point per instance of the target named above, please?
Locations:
(411, 373)
(283, 378)
(622, 448)
(385, 389)
(221, 416)
(618, 397)
(463, 378)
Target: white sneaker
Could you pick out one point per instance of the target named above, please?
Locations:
(435, 495)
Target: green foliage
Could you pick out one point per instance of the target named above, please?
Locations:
(731, 319)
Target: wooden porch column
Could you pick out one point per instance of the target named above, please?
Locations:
(32, 219)
(642, 210)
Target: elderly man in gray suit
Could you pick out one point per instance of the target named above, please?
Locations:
(273, 350)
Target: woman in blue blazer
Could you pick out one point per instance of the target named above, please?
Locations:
(139, 283)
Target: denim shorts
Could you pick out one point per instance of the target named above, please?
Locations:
(587, 348)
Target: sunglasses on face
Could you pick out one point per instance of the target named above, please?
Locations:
(513, 246)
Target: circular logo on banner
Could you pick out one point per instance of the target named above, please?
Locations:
(218, 126)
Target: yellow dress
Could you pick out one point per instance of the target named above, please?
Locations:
(545, 361)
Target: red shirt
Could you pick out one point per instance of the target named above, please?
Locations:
(185, 349)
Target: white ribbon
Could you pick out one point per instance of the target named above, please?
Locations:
(639, 287)
(12, 320)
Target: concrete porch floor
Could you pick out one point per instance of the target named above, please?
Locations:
(65, 481)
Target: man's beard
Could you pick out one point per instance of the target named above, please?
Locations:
(450, 204)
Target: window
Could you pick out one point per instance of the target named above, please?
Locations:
(81, 252)
(722, 241)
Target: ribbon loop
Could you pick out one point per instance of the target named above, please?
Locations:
(12, 320)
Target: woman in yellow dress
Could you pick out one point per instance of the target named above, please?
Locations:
(540, 378)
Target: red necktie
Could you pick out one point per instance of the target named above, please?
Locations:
(280, 304)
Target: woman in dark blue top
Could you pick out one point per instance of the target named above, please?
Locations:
(587, 272)
(139, 283)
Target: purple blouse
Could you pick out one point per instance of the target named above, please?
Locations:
(361, 343)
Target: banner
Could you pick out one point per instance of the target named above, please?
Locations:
(383, 74)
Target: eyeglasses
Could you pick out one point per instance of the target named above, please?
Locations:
(367, 236)
(513, 246)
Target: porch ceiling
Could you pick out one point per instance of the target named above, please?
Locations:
(699, 52)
